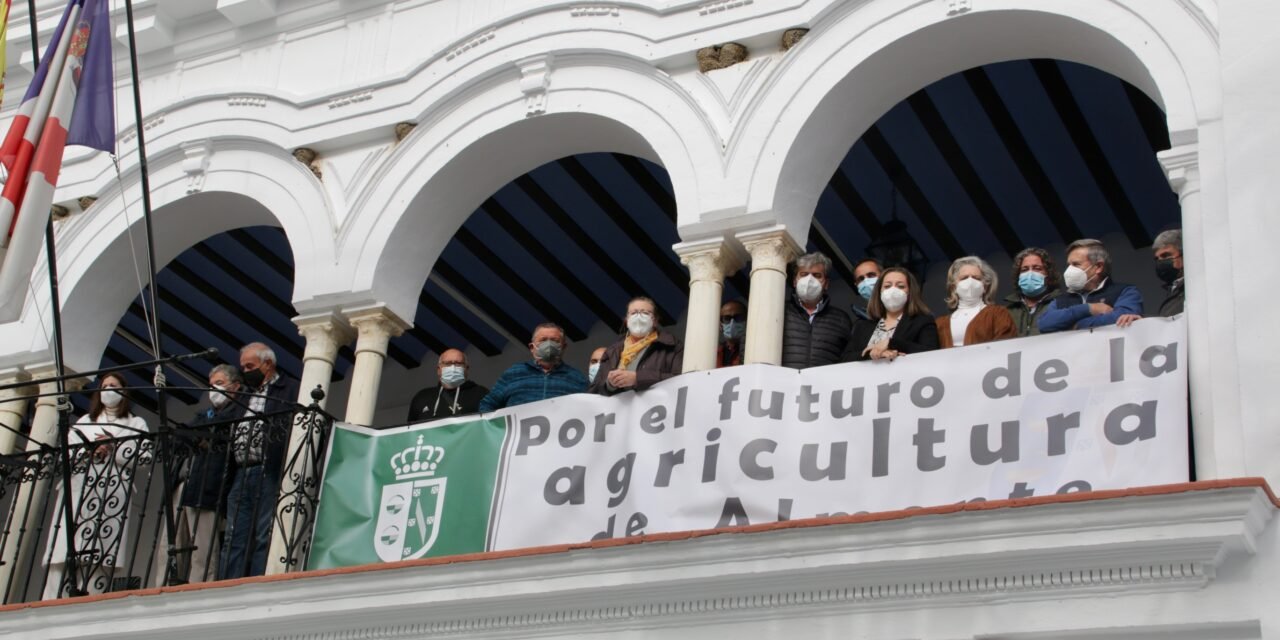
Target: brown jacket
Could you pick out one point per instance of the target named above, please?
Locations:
(992, 323)
(663, 359)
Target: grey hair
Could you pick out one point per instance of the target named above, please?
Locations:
(232, 373)
(1169, 238)
(1097, 252)
(814, 259)
(261, 350)
(989, 280)
(564, 338)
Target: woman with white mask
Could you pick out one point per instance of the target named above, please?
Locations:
(974, 318)
(643, 356)
(105, 458)
(900, 321)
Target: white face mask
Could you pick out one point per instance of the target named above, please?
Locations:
(110, 397)
(894, 299)
(216, 396)
(640, 324)
(453, 375)
(808, 289)
(970, 291)
(1075, 278)
(592, 371)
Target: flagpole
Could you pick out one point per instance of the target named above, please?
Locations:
(162, 443)
(63, 408)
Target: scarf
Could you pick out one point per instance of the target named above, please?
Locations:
(633, 347)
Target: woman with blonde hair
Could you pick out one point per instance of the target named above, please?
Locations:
(974, 317)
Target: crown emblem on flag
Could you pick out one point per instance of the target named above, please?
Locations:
(419, 461)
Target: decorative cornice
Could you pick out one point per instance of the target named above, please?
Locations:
(351, 98)
(478, 40)
(1043, 552)
(247, 101)
(958, 7)
(593, 11)
(719, 6)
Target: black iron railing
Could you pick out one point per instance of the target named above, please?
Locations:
(191, 502)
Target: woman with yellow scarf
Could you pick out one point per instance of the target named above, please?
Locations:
(645, 355)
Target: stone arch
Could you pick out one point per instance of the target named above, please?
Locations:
(447, 167)
(858, 62)
(244, 184)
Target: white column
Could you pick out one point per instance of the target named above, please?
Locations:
(295, 511)
(770, 249)
(13, 409)
(708, 261)
(374, 329)
(17, 554)
(1212, 369)
(325, 335)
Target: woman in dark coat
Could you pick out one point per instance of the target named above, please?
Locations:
(645, 355)
(900, 321)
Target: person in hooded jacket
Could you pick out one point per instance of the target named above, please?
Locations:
(456, 395)
(643, 357)
(814, 332)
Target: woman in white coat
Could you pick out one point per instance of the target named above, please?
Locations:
(101, 492)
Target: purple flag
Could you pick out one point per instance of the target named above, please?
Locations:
(93, 119)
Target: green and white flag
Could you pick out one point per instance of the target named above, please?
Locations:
(414, 492)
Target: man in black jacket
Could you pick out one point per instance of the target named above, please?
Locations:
(258, 447)
(456, 395)
(206, 483)
(1168, 253)
(813, 332)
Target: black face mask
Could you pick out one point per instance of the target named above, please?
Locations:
(254, 379)
(1166, 271)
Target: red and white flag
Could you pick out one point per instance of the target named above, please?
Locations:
(69, 101)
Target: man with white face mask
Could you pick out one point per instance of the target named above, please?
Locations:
(456, 395)
(1092, 298)
(813, 332)
(644, 356)
(199, 495)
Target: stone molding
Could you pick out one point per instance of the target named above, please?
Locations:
(1055, 550)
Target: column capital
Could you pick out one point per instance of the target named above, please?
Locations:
(711, 259)
(375, 326)
(770, 248)
(325, 328)
(15, 377)
(1182, 167)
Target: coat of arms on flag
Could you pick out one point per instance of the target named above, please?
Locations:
(410, 511)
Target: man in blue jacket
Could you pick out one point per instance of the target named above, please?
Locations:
(1092, 298)
(546, 376)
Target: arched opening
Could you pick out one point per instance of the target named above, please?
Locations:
(1001, 157)
(228, 290)
(570, 242)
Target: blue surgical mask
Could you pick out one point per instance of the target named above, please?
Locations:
(732, 330)
(867, 287)
(592, 371)
(453, 375)
(1031, 283)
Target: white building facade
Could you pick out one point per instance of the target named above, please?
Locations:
(286, 113)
